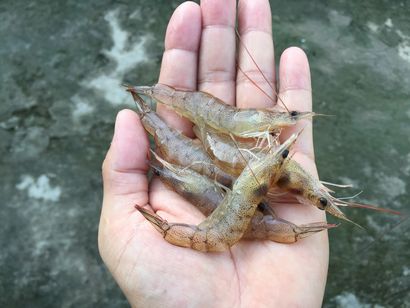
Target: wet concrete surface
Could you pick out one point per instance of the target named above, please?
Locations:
(61, 64)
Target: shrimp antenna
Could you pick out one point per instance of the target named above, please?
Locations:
(337, 185)
(343, 203)
(380, 235)
(351, 197)
(257, 86)
(263, 75)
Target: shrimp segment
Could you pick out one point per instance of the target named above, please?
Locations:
(203, 108)
(170, 143)
(205, 195)
(227, 224)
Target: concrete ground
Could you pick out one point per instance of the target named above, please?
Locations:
(61, 64)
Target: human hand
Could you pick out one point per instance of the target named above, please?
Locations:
(200, 53)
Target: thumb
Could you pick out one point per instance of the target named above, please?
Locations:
(125, 166)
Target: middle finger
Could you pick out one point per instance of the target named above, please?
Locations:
(255, 30)
(217, 53)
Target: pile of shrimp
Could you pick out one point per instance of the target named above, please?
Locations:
(233, 173)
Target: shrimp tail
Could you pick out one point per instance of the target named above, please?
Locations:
(184, 235)
(159, 223)
(306, 230)
(141, 90)
(141, 105)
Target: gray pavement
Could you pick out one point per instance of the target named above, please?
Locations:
(61, 64)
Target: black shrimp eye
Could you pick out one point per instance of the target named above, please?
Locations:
(323, 202)
(285, 153)
(293, 113)
(156, 172)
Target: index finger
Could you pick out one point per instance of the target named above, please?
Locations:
(179, 62)
(217, 53)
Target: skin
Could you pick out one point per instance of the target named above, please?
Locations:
(151, 271)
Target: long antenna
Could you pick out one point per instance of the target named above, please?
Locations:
(380, 235)
(259, 69)
(256, 85)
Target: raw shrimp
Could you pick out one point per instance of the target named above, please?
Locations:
(204, 109)
(232, 157)
(309, 190)
(176, 147)
(205, 195)
(227, 224)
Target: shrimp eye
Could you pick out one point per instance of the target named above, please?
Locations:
(323, 202)
(293, 113)
(156, 172)
(285, 153)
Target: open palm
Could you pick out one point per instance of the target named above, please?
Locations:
(200, 54)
